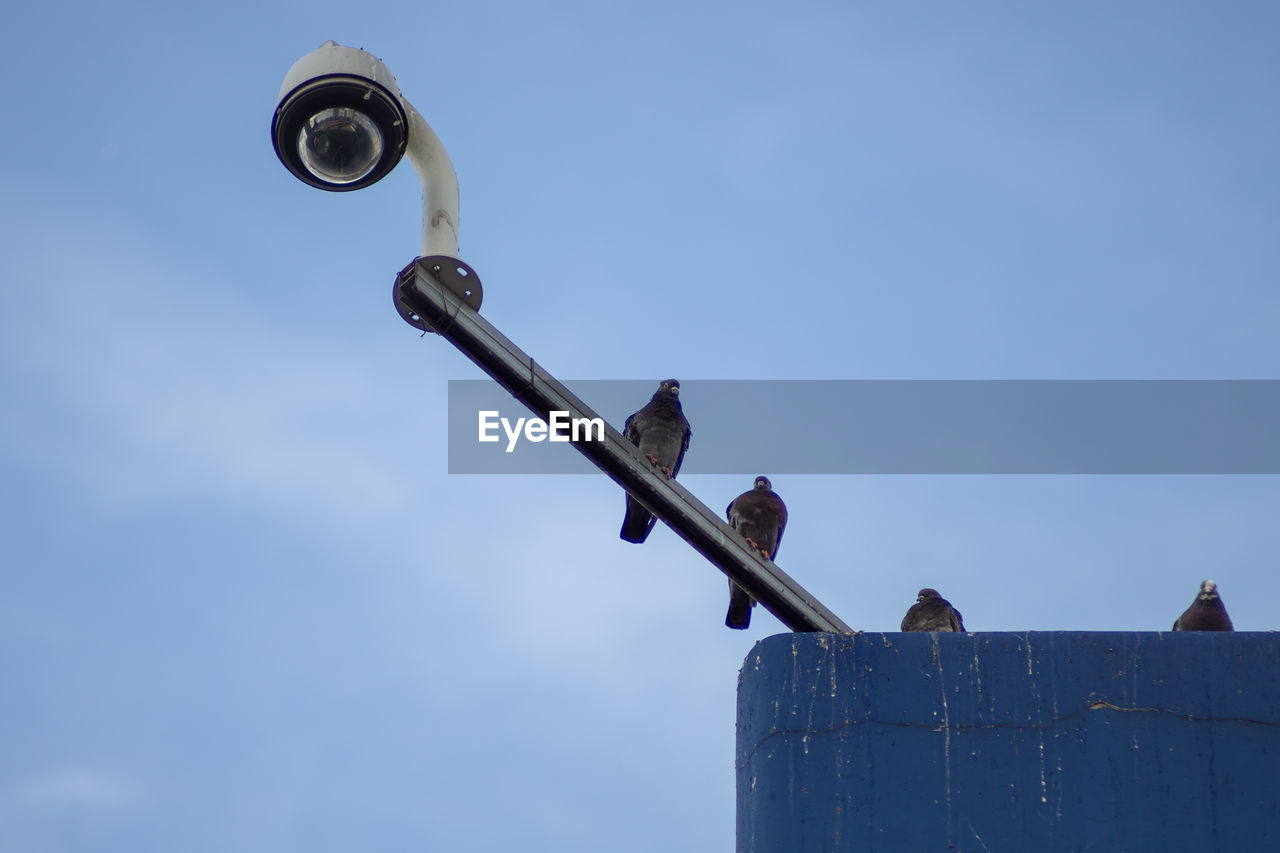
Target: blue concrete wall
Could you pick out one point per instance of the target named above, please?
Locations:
(1010, 743)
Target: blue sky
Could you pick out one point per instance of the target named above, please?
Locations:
(243, 606)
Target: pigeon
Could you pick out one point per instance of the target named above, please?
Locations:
(662, 433)
(932, 612)
(760, 516)
(1206, 613)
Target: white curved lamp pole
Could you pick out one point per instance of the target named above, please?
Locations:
(440, 207)
(342, 108)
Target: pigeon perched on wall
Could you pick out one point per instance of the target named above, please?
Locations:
(1206, 613)
(662, 433)
(932, 612)
(760, 516)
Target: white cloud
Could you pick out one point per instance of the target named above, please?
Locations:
(152, 389)
(81, 789)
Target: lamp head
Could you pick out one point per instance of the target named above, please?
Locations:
(340, 124)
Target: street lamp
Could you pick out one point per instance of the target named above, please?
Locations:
(342, 124)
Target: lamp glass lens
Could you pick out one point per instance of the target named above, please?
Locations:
(340, 145)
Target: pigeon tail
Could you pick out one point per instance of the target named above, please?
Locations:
(740, 604)
(637, 523)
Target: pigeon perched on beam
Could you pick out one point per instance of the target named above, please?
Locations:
(932, 612)
(662, 433)
(1206, 613)
(760, 516)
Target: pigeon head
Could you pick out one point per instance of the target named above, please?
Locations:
(1208, 591)
(926, 594)
(672, 385)
(763, 484)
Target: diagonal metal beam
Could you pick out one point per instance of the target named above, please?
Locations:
(419, 289)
